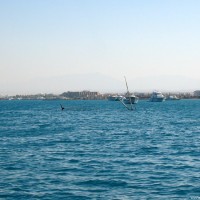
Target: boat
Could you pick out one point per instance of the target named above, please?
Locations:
(172, 97)
(157, 97)
(114, 98)
(129, 99)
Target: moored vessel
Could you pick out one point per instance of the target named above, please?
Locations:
(157, 97)
(130, 99)
(172, 98)
(114, 98)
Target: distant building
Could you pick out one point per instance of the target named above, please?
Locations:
(197, 93)
(81, 95)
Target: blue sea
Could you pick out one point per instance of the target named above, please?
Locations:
(99, 150)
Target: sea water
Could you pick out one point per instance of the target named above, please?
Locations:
(99, 150)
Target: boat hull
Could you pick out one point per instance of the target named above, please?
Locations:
(114, 98)
(157, 99)
(130, 100)
(172, 98)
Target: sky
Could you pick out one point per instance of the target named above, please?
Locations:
(42, 39)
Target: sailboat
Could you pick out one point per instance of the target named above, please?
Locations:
(129, 99)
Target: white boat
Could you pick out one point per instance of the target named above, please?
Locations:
(157, 97)
(129, 99)
(115, 98)
(171, 97)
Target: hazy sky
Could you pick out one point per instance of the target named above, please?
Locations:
(136, 38)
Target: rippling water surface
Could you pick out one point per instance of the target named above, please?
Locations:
(99, 150)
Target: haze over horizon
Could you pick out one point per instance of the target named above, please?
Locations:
(55, 46)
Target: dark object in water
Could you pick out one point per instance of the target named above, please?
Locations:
(62, 108)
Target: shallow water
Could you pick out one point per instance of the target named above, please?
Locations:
(99, 150)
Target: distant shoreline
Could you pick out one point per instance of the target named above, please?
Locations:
(87, 95)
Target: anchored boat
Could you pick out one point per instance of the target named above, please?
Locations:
(157, 97)
(115, 98)
(129, 99)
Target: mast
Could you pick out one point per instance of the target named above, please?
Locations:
(126, 85)
(128, 93)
